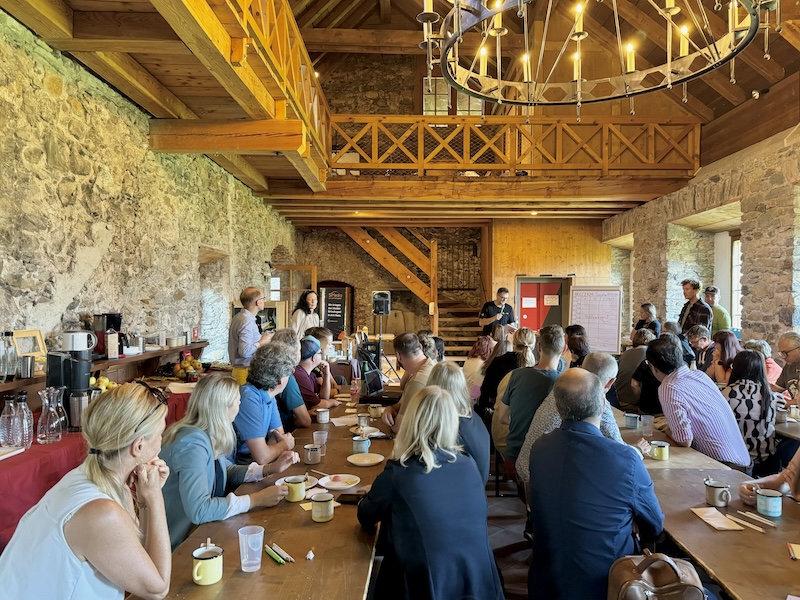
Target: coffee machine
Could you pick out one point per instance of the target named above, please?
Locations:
(71, 368)
(102, 323)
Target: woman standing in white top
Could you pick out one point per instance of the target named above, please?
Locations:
(102, 529)
(304, 315)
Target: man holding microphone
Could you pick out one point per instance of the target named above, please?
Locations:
(497, 313)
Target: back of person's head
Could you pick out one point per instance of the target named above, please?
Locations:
(551, 340)
(671, 327)
(650, 309)
(760, 346)
(790, 337)
(287, 336)
(309, 348)
(665, 353)
(501, 348)
(749, 365)
(408, 344)
(574, 329)
(249, 296)
(271, 363)
(439, 345)
(692, 282)
(601, 364)
(642, 337)
(208, 409)
(728, 345)
(578, 345)
(499, 334)
(450, 377)
(698, 331)
(482, 348)
(430, 423)
(323, 334)
(524, 341)
(579, 395)
(428, 344)
(110, 426)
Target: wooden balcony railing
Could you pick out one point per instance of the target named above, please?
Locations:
(510, 145)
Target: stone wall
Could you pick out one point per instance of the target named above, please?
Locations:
(373, 84)
(621, 275)
(765, 181)
(95, 222)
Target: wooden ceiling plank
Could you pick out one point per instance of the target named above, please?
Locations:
(314, 175)
(407, 204)
(315, 12)
(235, 137)
(352, 16)
(410, 11)
(299, 7)
(242, 170)
(200, 29)
(48, 18)
(386, 11)
(154, 47)
(656, 32)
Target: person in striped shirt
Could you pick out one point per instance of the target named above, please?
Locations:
(697, 414)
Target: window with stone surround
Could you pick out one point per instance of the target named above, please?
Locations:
(441, 99)
(736, 283)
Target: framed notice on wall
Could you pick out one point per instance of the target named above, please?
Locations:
(336, 308)
(599, 310)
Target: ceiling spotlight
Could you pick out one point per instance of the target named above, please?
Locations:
(534, 213)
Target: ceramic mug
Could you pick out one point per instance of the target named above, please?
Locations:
(322, 507)
(717, 493)
(794, 412)
(769, 502)
(360, 445)
(780, 415)
(313, 454)
(660, 450)
(297, 488)
(323, 415)
(207, 565)
(375, 411)
(631, 421)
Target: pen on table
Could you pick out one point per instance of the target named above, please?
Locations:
(274, 556)
(791, 552)
(282, 553)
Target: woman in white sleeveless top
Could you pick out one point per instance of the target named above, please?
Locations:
(102, 529)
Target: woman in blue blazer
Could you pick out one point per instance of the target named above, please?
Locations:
(199, 489)
(431, 503)
(472, 433)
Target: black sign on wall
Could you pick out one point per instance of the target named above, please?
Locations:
(336, 308)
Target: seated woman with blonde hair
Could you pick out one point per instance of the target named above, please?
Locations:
(102, 529)
(196, 449)
(431, 502)
(472, 433)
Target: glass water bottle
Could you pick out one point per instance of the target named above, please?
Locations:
(7, 437)
(49, 429)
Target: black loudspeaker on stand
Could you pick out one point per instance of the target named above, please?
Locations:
(382, 306)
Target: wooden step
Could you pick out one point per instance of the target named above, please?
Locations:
(464, 338)
(451, 349)
(459, 309)
(477, 328)
(455, 320)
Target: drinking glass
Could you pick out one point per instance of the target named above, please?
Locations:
(647, 426)
(251, 542)
(321, 439)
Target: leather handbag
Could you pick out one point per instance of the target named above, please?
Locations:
(653, 577)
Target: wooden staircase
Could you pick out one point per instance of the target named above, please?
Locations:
(458, 327)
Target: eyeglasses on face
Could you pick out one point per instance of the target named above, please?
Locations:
(785, 353)
(159, 395)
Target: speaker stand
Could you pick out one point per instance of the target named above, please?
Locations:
(382, 355)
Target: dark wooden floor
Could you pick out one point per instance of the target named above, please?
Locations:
(511, 549)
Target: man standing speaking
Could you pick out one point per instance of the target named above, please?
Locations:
(497, 313)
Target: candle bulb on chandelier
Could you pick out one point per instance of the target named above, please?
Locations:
(498, 18)
(630, 59)
(579, 18)
(670, 5)
(731, 16)
(684, 46)
(428, 6)
(576, 67)
(526, 68)
(483, 62)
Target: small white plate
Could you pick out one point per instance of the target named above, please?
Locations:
(365, 460)
(345, 482)
(311, 482)
(367, 431)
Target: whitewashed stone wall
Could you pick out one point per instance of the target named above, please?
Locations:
(92, 221)
(765, 179)
(621, 275)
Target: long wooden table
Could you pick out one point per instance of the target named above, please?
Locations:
(343, 550)
(789, 430)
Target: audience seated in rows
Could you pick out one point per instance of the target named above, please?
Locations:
(196, 449)
(548, 419)
(686, 350)
(578, 349)
(697, 414)
(431, 503)
(627, 393)
(587, 493)
(700, 340)
(523, 342)
(260, 436)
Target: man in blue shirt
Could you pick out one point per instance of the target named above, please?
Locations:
(586, 493)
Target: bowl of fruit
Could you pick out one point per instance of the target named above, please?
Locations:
(181, 369)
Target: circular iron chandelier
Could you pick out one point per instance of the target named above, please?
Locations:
(541, 76)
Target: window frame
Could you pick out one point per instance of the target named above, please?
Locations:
(736, 280)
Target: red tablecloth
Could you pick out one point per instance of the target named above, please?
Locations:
(26, 477)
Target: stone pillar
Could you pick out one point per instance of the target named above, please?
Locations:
(690, 255)
(770, 259)
(621, 275)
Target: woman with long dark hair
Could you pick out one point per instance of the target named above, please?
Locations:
(304, 315)
(726, 347)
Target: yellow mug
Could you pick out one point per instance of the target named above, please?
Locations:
(297, 488)
(660, 450)
(207, 565)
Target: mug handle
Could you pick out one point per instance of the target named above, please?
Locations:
(726, 496)
(93, 343)
(196, 572)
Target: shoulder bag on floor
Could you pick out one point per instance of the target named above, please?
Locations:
(653, 577)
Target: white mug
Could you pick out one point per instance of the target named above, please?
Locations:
(717, 493)
(313, 454)
(77, 341)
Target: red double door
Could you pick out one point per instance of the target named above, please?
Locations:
(540, 302)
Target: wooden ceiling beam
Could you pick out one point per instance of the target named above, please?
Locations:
(455, 213)
(386, 11)
(315, 12)
(48, 18)
(467, 188)
(353, 16)
(441, 204)
(656, 32)
(408, 10)
(299, 7)
(267, 137)
(200, 29)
